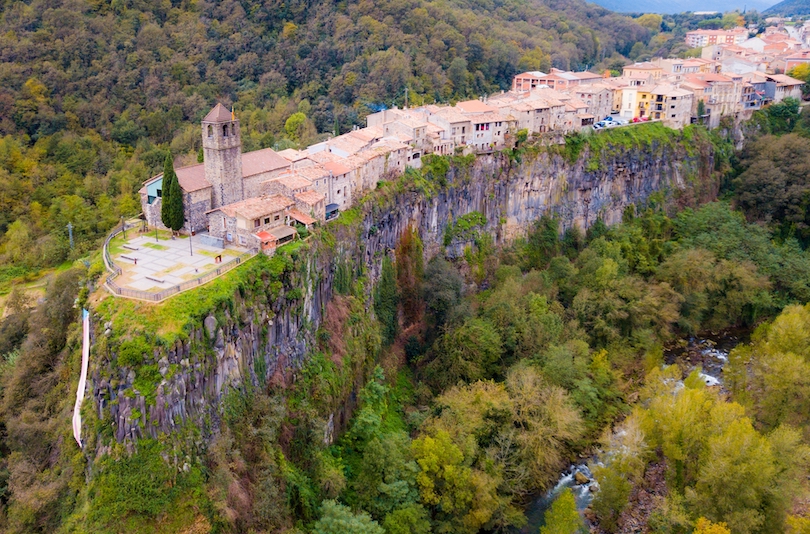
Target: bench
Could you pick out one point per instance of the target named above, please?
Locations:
(153, 279)
(129, 247)
(130, 259)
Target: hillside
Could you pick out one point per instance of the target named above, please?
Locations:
(142, 69)
(789, 8)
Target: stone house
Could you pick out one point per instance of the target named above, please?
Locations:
(240, 221)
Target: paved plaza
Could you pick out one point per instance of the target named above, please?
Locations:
(150, 265)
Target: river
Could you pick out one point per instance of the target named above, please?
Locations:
(709, 351)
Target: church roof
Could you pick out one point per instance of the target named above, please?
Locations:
(260, 161)
(219, 114)
(192, 178)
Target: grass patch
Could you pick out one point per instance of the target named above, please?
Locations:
(175, 316)
(155, 246)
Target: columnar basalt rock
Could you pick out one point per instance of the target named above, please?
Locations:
(252, 343)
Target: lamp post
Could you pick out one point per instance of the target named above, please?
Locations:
(124, 227)
(190, 251)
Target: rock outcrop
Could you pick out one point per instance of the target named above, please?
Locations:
(266, 336)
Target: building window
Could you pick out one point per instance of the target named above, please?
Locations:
(210, 131)
(242, 240)
(338, 191)
(257, 223)
(160, 193)
(277, 217)
(267, 220)
(225, 131)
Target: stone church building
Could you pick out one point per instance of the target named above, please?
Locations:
(235, 196)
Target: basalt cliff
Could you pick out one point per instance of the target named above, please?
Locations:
(261, 323)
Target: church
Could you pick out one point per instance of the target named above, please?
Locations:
(253, 199)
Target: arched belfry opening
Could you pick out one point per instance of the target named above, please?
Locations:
(222, 155)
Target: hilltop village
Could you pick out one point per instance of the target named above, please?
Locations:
(256, 199)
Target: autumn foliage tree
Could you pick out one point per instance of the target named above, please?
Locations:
(410, 274)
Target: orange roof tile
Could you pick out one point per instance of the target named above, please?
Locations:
(192, 178)
(254, 208)
(260, 161)
(474, 106)
(303, 218)
(336, 168)
(309, 197)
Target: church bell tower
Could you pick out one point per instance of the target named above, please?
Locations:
(222, 153)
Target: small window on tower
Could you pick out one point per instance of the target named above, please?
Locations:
(267, 220)
(257, 223)
(225, 131)
(210, 131)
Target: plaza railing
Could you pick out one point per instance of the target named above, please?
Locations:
(163, 294)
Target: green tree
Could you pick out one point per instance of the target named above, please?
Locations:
(543, 243)
(339, 519)
(386, 301)
(411, 519)
(563, 517)
(171, 209)
(467, 353)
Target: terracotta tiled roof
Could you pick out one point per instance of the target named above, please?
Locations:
(782, 79)
(192, 178)
(254, 208)
(260, 161)
(303, 218)
(292, 181)
(474, 106)
(347, 143)
(312, 172)
(336, 168)
(309, 197)
(290, 154)
(219, 114)
(323, 157)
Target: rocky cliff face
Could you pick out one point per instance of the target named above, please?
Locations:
(263, 336)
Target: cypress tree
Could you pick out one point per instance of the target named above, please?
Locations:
(171, 209)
